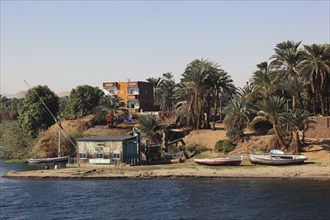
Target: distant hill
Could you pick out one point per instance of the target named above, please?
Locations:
(63, 94)
(21, 94)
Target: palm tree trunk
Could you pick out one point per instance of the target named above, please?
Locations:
(298, 144)
(294, 103)
(279, 137)
(322, 104)
(216, 103)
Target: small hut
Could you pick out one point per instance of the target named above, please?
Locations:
(108, 150)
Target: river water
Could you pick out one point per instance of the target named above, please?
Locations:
(162, 199)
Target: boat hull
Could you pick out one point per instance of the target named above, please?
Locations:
(49, 160)
(219, 161)
(276, 160)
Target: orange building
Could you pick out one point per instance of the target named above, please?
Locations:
(138, 96)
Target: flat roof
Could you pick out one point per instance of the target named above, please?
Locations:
(106, 138)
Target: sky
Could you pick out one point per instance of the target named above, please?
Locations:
(64, 44)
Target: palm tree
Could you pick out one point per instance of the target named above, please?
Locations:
(113, 106)
(271, 108)
(194, 80)
(297, 119)
(156, 91)
(315, 68)
(237, 117)
(294, 87)
(262, 80)
(222, 84)
(166, 91)
(285, 60)
(149, 129)
(248, 93)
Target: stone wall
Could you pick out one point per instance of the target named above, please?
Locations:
(318, 127)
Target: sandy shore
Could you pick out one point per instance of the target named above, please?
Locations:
(311, 170)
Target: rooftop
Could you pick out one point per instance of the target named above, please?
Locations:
(106, 138)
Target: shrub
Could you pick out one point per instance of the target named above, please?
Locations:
(224, 146)
(234, 134)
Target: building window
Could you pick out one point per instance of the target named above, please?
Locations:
(82, 155)
(116, 156)
(112, 92)
(100, 155)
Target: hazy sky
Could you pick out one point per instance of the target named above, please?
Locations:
(65, 44)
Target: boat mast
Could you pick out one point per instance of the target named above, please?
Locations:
(55, 119)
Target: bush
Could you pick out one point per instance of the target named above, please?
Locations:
(224, 146)
(194, 148)
(234, 134)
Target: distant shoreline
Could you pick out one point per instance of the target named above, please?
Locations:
(187, 170)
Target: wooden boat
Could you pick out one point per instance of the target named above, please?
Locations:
(276, 159)
(219, 161)
(64, 159)
(59, 158)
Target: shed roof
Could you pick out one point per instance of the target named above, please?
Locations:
(106, 138)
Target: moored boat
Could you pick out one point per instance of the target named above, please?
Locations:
(276, 159)
(64, 159)
(220, 161)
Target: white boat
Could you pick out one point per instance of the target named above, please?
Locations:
(220, 161)
(276, 159)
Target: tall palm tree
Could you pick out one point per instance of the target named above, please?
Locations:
(271, 108)
(222, 84)
(294, 87)
(156, 91)
(315, 68)
(262, 80)
(285, 60)
(297, 119)
(194, 80)
(166, 91)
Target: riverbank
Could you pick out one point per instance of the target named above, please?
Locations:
(309, 170)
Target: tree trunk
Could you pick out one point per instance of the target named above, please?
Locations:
(298, 144)
(314, 104)
(322, 104)
(327, 103)
(216, 103)
(294, 103)
(280, 138)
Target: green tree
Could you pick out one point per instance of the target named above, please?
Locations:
(286, 59)
(272, 108)
(14, 141)
(297, 120)
(33, 115)
(315, 69)
(149, 129)
(238, 113)
(222, 84)
(9, 108)
(166, 91)
(83, 99)
(112, 105)
(195, 89)
(294, 87)
(262, 80)
(156, 89)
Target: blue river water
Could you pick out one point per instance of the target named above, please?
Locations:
(162, 199)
